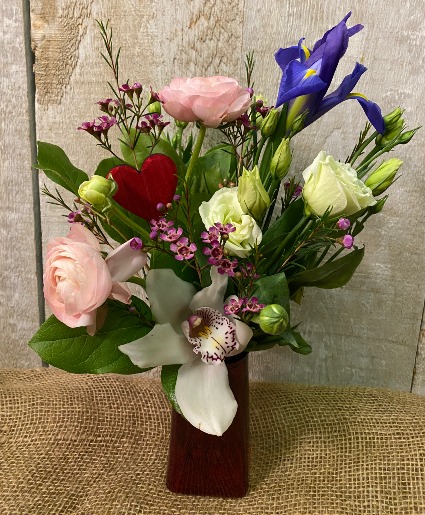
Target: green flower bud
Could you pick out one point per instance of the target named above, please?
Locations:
(392, 119)
(407, 136)
(281, 160)
(273, 319)
(180, 124)
(98, 192)
(154, 107)
(394, 124)
(269, 124)
(252, 196)
(383, 176)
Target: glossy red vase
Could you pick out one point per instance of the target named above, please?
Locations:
(203, 464)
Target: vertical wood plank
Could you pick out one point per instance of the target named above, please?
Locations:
(19, 314)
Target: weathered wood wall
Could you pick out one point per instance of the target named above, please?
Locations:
(366, 333)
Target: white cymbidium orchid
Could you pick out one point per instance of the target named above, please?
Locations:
(192, 330)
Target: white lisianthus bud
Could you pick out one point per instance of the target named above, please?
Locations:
(382, 178)
(281, 160)
(270, 123)
(332, 185)
(224, 207)
(252, 196)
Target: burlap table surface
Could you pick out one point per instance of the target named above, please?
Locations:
(98, 445)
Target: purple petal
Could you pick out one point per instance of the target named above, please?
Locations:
(296, 82)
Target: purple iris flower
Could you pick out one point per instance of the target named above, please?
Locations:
(307, 75)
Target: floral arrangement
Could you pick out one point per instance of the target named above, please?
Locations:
(217, 241)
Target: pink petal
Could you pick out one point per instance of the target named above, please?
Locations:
(124, 262)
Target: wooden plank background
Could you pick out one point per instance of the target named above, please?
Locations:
(367, 333)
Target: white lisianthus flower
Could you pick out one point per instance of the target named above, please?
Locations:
(191, 329)
(224, 207)
(331, 184)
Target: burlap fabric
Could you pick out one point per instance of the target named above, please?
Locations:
(98, 445)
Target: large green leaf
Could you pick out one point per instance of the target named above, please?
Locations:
(333, 274)
(213, 167)
(58, 168)
(143, 148)
(75, 351)
(106, 165)
(160, 259)
(273, 289)
(168, 380)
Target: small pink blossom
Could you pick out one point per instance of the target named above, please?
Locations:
(183, 249)
(227, 266)
(343, 223)
(347, 241)
(233, 306)
(161, 225)
(253, 305)
(172, 234)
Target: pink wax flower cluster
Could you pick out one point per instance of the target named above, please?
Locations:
(209, 100)
(77, 280)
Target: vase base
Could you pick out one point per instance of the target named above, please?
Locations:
(198, 468)
(208, 465)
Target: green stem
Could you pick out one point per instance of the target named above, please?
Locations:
(362, 147)
(278, 252)
(363, 168)
(195, 153)
(128, 221)
(258, 152)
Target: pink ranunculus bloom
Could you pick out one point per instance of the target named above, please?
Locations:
(77, 280)
(209, 100)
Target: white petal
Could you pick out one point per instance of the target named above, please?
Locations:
(123, 262)
(169, 297)
(243, 336)
(212, 296)
(204, 396)
(162, 346)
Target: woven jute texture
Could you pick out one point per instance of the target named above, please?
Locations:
(98, 445)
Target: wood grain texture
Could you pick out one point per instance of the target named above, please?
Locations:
(18, 285)
(367, 332)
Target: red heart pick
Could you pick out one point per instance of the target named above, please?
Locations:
(140, 192)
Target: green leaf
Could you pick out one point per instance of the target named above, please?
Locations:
(295, 341)
(143, 149)
(75, 351)
(333, 274)
(273, 289)
(106, 165)
(168, 380)
(291, 338)
(282, 226)
(163, 260)
(58, 168)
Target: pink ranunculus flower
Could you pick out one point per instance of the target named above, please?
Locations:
(77, 280)
(209, 100)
